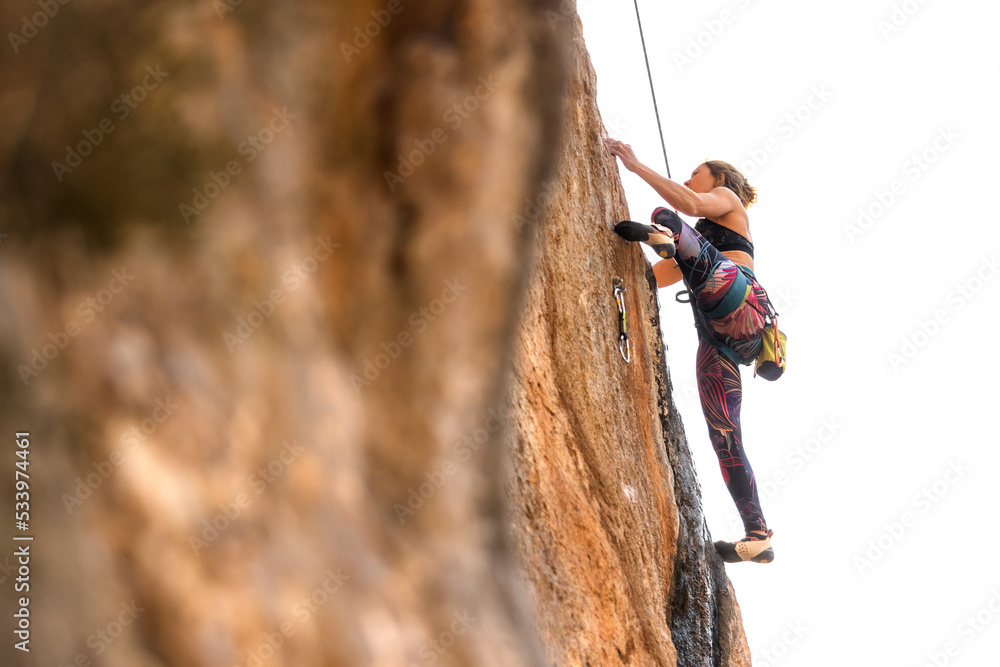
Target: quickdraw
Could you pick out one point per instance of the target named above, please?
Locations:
(623, 345)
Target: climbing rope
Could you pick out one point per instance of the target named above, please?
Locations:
(623, 345)
(653, 92)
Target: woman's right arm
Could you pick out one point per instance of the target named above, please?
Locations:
(667, 272)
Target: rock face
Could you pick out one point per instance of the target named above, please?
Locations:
(604, 500)
(259, 286)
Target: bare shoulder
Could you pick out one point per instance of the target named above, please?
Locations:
(728, 195)
(736, 219)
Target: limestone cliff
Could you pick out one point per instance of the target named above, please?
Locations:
(261, 272)
(605, 504)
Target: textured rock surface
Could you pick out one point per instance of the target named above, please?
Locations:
(408, 283)
(606, 506)
(269, 418)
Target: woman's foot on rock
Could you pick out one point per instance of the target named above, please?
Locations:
(658, 238)
(756, 547)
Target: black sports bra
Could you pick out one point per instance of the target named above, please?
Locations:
(723, 238)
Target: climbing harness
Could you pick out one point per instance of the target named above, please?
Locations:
(650, 74)
(771, 361)
(734, 298)
(623, 345)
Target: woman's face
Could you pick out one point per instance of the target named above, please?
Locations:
(701, 179)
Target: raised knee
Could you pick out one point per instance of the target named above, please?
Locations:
(667, 218)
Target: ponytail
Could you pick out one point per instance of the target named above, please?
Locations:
(733, 180)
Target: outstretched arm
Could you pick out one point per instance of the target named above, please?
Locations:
(714, 204)
(667, 272)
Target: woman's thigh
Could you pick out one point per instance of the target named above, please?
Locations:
(746, 322)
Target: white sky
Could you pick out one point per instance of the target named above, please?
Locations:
(882, 430)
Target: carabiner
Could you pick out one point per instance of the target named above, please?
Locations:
(624, 347)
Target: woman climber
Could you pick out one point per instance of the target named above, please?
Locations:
(729, 312)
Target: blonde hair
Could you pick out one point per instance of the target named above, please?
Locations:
(734, 180)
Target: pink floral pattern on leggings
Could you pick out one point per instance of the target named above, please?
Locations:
(710, 275)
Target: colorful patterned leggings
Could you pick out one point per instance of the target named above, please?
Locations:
(709, 275)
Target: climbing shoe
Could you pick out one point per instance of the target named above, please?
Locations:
(658, 238)
(753, 547)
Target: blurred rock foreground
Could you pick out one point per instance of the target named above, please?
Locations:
(308, 310)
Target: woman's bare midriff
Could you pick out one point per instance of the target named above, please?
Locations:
(739, 257)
